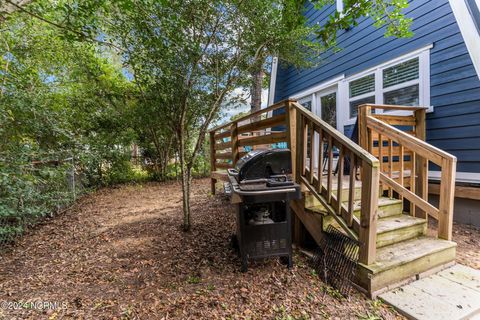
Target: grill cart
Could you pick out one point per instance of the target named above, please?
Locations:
(261, 187)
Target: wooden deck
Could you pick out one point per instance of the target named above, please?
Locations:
(362, 188)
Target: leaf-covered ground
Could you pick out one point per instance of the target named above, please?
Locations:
(120, 254)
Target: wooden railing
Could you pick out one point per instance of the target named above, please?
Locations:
(398, 142)
(231, 141)
(312, 140)
(309, 138)
(399, 167)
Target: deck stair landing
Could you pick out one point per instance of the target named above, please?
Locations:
(404, 251)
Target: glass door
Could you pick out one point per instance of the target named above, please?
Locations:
(328, 107)
(327, 110)
(307, 103)
(324, 104)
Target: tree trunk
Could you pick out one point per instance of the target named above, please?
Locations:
(186, 186)
(256, 89)
(186, 180)
(176, 165)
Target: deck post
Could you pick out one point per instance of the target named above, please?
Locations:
(363, 112)
(369, 201)
(370, 192)
(234, 141)
(212, 161)
(447, 196)
(291, 112)
(421, 164)
(300, 148)
(363, 138)
(368, 215)
(292, 134)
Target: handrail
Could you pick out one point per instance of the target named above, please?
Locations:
(422, 148)
(250, 115)
(301, 125)
(415, 187)
(392, 107)
(359, 151)
(226, 140)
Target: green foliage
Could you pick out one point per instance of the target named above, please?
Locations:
(238, 115)
(64, 120)
(82, 81)
(29, 192)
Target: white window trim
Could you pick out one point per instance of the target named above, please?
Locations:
(309, 98)
(470, 34)
(423, 81)
(465, 177)
(314, 93)
(340, 5)
(273, 81)
(319, 87)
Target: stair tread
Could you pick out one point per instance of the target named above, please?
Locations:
(382, 201)
(317, 209)
(399, 221)
(406, 251)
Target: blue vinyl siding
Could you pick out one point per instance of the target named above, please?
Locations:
(454, 85)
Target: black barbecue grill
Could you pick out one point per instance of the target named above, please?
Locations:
(262, 188)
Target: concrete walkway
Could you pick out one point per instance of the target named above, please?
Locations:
(451, 294)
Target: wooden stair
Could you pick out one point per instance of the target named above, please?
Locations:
(403, 250)
(391, 155)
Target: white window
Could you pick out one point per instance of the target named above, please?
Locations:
(361, 91)
(402, 81)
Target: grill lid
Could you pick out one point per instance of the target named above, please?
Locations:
(263, 164)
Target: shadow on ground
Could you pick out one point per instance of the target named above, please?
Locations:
(120, 253)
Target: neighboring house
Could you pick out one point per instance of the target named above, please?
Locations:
(438, 67)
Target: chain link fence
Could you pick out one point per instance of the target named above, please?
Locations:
(33, 189)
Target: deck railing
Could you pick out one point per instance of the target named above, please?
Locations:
(404, 160)
(231, 141)
(312, 140)
(401, 170)
(294, 126)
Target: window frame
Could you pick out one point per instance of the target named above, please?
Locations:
(363, 95)
(403, 84)
(423, 82)
(305, 99)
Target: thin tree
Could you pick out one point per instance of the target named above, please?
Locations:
(191, 55)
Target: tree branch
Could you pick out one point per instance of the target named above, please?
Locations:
(78, 33)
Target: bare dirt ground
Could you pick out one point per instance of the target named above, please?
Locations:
(120, 254)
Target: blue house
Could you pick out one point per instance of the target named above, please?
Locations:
(438, 67)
